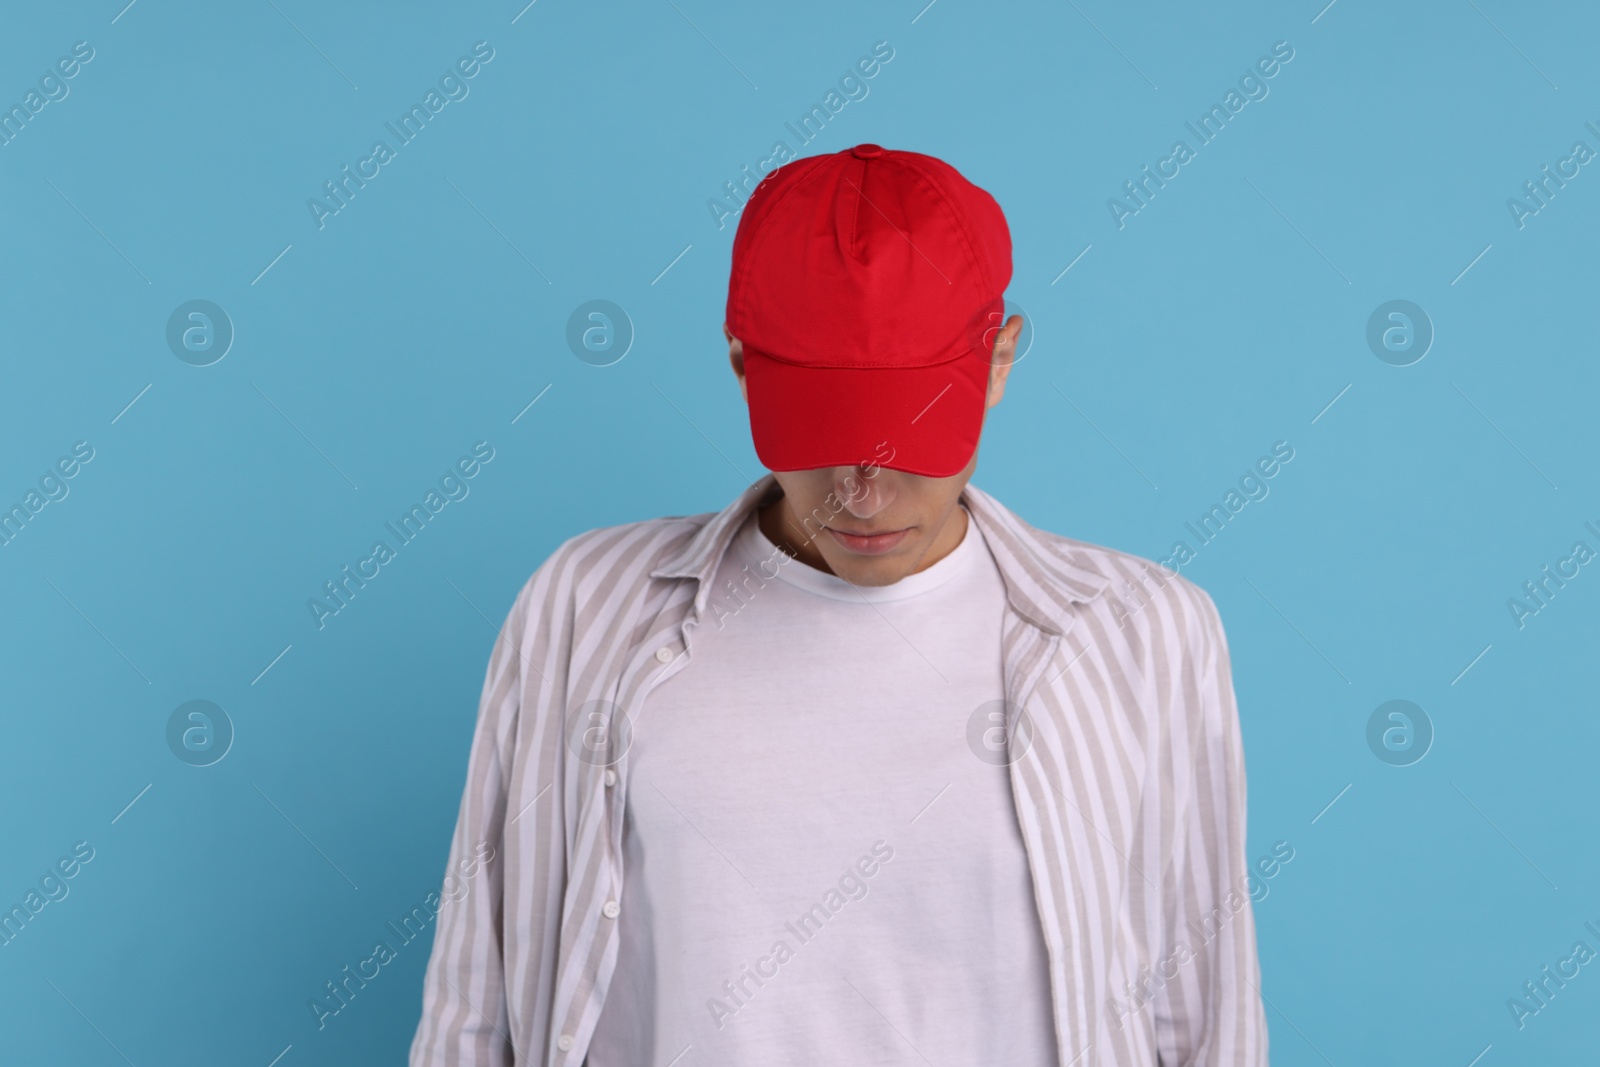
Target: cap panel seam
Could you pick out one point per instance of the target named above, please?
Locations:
(855, 220)
(762, 232)
(972, 248)
(932, 170)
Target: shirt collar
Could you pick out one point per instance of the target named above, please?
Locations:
(1045, 576)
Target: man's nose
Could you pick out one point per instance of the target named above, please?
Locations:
(864, 494)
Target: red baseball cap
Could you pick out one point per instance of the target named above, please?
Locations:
(867, 287)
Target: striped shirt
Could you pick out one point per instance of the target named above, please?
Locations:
(1126, 763)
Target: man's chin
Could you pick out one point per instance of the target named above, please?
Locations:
(874, 570)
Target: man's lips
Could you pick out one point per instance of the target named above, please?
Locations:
(872, 544)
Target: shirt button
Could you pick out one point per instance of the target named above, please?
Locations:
(564, 1042)
(611, 777)
(663, 655)
(610, 909)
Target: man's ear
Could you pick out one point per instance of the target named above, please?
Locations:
(736, 359)
(1002, 359)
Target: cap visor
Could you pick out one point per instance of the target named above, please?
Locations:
(921, 420)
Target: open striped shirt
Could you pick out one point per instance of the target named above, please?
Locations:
(1128, 771)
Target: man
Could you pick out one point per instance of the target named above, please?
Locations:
(862, 768)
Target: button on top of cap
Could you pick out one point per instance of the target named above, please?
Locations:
(866, 151)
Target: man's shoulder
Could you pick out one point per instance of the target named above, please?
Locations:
(1128, 585)
(1161, 619)
(1125, 570)
(655, 540)
(607, 556)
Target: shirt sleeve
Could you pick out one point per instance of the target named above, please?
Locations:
(467, 1020)
(1211, 1014)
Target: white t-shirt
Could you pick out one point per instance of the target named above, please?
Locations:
(819, 866)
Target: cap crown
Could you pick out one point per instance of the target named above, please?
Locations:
(869, 257)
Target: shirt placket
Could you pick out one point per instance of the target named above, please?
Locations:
(647, 668)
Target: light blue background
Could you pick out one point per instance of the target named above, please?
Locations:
(416, 323)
